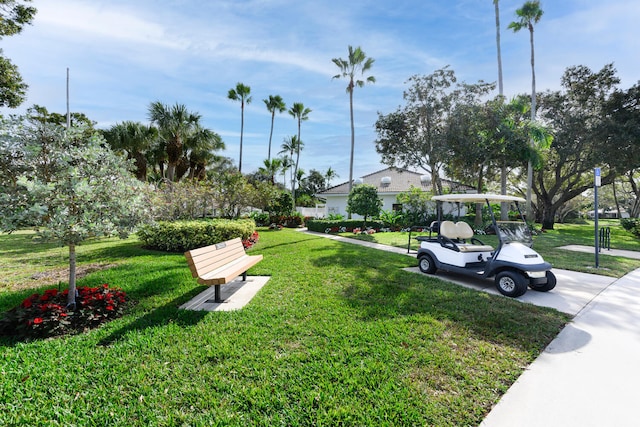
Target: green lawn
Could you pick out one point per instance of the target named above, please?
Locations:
(340, 335)
(547, 243)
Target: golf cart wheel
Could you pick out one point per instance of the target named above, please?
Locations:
(551, 283)
(511, 284)
(426, 264)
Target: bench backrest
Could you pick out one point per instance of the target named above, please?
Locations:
(203, 260)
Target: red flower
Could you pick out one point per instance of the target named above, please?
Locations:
(27, 303)
(109, 308)
(37, 320)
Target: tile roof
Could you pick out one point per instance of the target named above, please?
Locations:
(394, 180)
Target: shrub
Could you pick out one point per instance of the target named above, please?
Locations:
(347, 225)
(291, 221)
(182, 236)
(46, 315)
(632, 225)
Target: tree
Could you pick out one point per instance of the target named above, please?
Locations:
(529, 14)
(577, 117)
(274, 104)
(363, 200)
(271, 169)
(415, 136)
(329, 175)
(175, 125)
(81, 191)
(135, 139)
(301, 114)
(240, 93)
(357, 63)
(416, 206)
(14, 15)
(198, 153)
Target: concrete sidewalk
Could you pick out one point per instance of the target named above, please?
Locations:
(589, 375)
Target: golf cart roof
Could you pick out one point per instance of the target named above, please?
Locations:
(477, 198)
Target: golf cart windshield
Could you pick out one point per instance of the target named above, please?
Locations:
(513, 231)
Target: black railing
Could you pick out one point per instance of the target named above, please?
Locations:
(605, 238)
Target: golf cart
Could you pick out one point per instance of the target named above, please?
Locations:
(514, 264)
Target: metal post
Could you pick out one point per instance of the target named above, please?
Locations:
(596, 184)
(596, 226)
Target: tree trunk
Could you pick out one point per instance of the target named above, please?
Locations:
(548, 216)
(352, 140)
(71, 297)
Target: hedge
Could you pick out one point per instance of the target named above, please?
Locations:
(181, 236)
(632, 225)
(322, 225)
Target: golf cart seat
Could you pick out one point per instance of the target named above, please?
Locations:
(464, 232)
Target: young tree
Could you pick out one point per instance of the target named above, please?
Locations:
(529, 14)
(363, 200)
(14, 15)
(274, 104)
(357, 63)
(74, 189)
(241, 93)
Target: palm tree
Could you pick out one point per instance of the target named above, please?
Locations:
(329, 175)
(271, 168)
(240, 93)
(529, 14)
(274, 104)
(175, 125)
(291, 146)
(199, 148)
(287, 162)
(300, 113)
(356, 63)
(136, 140)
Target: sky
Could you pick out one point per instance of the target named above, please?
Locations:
(123, 55)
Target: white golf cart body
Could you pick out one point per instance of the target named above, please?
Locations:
(514, 264)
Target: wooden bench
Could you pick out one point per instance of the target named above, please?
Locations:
(219, 264)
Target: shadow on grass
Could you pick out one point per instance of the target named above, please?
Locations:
(160, 316)
(381, 289)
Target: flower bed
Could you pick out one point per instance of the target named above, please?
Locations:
(46, 315)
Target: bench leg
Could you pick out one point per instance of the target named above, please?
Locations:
(244, 276)
(217, 293)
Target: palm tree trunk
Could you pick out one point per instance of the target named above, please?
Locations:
(504, 207)
(273, 116)
(241, 134)
(533, 118)
(353, 140)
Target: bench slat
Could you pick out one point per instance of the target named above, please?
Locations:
(230, 271)
(219, 264)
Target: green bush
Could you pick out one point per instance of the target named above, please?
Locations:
(632, 225)
(322, 225)
(181, 236)
(294, 220)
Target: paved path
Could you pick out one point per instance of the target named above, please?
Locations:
(610, 252)
(589, 375)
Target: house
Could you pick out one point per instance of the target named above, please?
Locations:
(389, 182)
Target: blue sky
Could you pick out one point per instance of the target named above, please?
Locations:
(123, 55)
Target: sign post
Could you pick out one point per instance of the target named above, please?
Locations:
(596, 184)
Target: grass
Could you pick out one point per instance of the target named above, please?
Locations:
(547, 245)
(340, 335)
